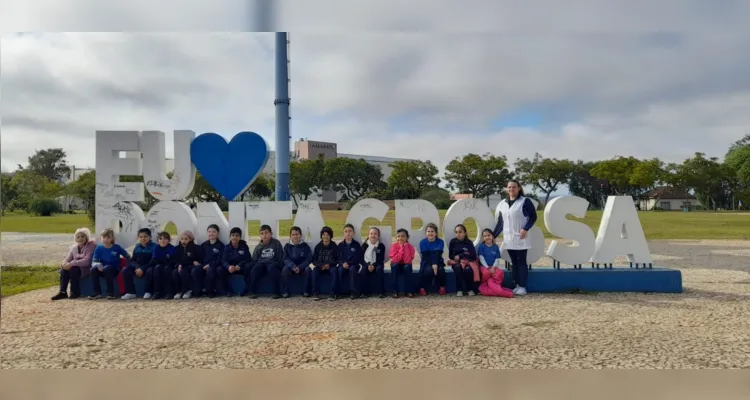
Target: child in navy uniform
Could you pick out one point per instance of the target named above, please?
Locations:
(187, 257)
(236, 261)
(159, 274)
(139, 264)
(325, 258)
(462, 256)
(432, 265)
(106, 262)
(204, 278)
(373, 262)
(350, 258)
(268, 258)
(297, 259)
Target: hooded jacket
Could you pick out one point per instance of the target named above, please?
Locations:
(269, 253)
(237, 256)
(297, 255)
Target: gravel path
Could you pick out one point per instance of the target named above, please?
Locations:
(708, 326)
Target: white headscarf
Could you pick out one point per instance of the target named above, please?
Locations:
(370, 252)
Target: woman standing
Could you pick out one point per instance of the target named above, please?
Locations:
(516, 218)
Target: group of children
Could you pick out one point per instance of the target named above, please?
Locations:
(191, 270)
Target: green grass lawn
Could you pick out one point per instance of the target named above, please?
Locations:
(15, 280)
(656, 224)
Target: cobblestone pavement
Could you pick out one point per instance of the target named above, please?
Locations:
(708, 326)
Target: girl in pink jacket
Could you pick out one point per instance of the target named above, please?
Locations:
(401, 255)
(76, 265)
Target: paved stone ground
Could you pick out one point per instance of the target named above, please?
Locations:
(708, 326)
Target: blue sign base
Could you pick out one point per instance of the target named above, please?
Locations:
(541, 280)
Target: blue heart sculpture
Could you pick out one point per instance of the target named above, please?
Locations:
(229, 167)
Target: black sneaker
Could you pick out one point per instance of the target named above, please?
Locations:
(316, 297)
(59, 296)
(285, 295)
(305, 294)
(111, 297)
(253, 296)
(332, 297)
(276, 296)
(229, 294)
(95, 297)
(74, 296)
(363, 296)
(382, 295)
(353, 296)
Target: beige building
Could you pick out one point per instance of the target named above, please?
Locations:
(668, 199)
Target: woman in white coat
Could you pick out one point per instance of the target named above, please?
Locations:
(516, 218)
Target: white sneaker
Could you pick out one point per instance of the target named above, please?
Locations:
(187, 294)
(147, 296)
(515, 290)
(178, 296)
(459, 293)
(128, 296)
(471, 293)
(521, 292)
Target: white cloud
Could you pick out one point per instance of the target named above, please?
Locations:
(618, 79)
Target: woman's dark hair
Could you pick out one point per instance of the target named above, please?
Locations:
(488, 231)
(463, 228)
(164, 235)
(520, 187)
(434, 227)
(295, 229)
(144, 230)
(328, 230)
(404, 231)
(235, 230)
(349, 226)
(213, 226)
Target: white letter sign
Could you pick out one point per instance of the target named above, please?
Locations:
(620, 232)
(370, 208)
(152, 145)
(555, 218)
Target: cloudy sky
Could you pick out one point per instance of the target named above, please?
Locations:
(430, 79)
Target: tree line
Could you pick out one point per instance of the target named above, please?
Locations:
(717, 184)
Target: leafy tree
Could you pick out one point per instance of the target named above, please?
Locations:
(49, 163)
(583, 185)
(8, 192)
(306, 178)
(262, 187)
(353, 177)
(704, 176)
(629, 175)
(480, 176)
(744, 142)
(409, 179)
(85, 189)
(440, 197)
(30, 185)
(545, 174)
(203, 192)
(738, 161)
